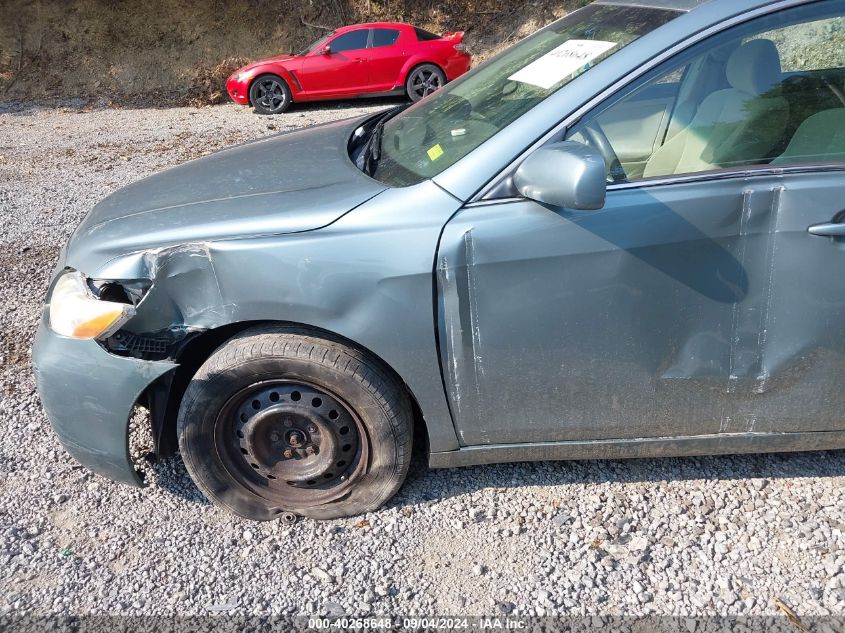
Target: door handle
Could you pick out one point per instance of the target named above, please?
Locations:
(828, 229)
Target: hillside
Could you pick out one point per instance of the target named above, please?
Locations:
(172, 51)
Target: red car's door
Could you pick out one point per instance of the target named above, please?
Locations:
(342, 71)
(386, 58)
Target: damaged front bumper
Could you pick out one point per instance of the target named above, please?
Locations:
(89, 395)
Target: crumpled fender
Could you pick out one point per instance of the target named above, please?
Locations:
(366, 277)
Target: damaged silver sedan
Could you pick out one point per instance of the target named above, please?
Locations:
(618, 238)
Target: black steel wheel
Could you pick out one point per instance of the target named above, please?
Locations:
(423, 80)
(291, 442)
(280, 421)
(269, 94)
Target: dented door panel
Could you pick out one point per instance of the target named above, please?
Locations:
(678, 309)
(793, 379)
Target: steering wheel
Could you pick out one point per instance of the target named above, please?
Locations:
(597, 137)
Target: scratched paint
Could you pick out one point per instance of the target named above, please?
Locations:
(689, 310)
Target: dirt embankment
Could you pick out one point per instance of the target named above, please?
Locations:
(178, 51)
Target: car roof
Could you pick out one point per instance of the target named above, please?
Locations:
(374, 25)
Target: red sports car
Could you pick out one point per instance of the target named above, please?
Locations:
(375, 59)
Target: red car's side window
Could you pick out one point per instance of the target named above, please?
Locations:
(384, 37)
(351, 41)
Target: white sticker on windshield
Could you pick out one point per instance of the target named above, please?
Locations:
(561, 62)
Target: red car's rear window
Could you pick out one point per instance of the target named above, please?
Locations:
(425, 36)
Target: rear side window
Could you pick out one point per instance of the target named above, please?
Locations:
(799, 49)
(384, 37)
(425, 36)
(350, 41)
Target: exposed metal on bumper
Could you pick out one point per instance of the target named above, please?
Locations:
(88, 395)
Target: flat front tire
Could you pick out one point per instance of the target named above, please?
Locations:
(281, 419)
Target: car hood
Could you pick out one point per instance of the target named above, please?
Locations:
(278, 59)
(288, 183)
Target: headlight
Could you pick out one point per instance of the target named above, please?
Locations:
(77, 313)
(243, 76)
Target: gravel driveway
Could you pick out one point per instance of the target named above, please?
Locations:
(692, 537)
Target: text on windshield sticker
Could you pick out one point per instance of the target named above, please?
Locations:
(561, 62)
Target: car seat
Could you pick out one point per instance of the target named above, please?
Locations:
(736, 125)
(820, 138)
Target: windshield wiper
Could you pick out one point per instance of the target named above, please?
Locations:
(372, 150)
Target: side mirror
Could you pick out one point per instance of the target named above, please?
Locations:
(326, 50)
(566, 174)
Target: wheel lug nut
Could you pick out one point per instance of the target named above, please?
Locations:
(312, 429)
(288, 454)
(274, 437)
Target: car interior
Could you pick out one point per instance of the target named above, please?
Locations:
(732, 106)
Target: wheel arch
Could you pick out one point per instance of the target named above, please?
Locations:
(164, 396)
(282, 73)
(416, 62)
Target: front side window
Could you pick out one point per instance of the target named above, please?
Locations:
(423, 140)
(351, 41)
(384, 37)
(771, 91)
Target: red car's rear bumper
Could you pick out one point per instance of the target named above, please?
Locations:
(457, 65)
(238, 90)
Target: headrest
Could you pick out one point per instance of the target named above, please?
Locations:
(754, 67)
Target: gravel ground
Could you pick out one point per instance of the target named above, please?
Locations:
(690, 537)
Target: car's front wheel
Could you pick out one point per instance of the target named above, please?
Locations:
(423, 80)
(280, 419)
(269, 94)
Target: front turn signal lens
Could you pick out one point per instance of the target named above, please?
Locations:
(75, 311)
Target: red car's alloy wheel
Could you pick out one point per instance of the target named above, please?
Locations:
(424, 80)
(269, 95)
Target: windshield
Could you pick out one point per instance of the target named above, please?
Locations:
(436, 132)
(314, 45)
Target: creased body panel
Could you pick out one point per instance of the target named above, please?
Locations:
(367, 277)
(686, 309)
(795, 334)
